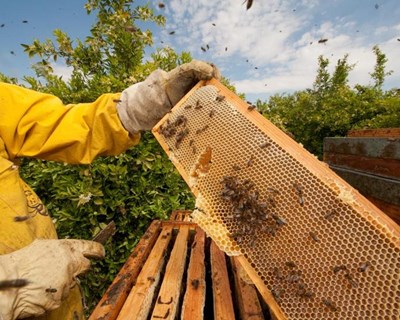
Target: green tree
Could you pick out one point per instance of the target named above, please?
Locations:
(332, 107)
(133, 188)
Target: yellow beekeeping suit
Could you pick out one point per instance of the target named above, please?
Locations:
(38, 125)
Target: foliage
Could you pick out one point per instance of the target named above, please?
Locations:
(332, 107)
(133, 188)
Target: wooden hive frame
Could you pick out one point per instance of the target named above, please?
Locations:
(354, 209)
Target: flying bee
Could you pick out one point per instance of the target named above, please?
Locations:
(364, 266)
(14, 283)
(329, 303)
(249, 3)
(219, 98)
(22, 218)
(203, 49)
(161, 5)
(322, 41)
(172, 32)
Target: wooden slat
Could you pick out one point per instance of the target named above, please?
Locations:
(168, 296)
(380, 148)
(195, 296)
(385, 167)
(246, 295)
(262, 289)
(223, 304)
(383, 132)
(390, 209)
(137, 305)
(115, 296)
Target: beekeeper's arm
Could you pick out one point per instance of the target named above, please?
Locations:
(34, 124)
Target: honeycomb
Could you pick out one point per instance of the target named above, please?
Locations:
(320, 248)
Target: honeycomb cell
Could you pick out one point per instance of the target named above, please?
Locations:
(270, 207)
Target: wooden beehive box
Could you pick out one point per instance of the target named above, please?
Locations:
(175, 272)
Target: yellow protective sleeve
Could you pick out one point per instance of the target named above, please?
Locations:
(34, 124)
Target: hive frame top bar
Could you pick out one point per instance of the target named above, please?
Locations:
(198, 132)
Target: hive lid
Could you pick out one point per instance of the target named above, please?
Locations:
(304, 235)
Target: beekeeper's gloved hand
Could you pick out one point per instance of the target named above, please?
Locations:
(50, 267)
(145, 103)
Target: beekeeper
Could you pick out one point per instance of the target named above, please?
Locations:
(37, 271)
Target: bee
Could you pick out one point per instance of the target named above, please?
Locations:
(236, 167)
(24, 21)
(161, 5)
(277, 273)
(207, 46)
(203, 49)
(51, 290)
(351, 280)
(293, 276)
(14, 283)
(249, 162)
(329, 303)
(336, 269)
(279, 221)
(22, 218)
(211, 113)
(329, 216)
(130, 29)
(191, 142)
(277, 293)
(364, 266)
(290, 264)
(172, 32)
(322, 40)
(219, 98)
(198, 106)
(299, 190)
(151, 279)
(194, 150)
(313, 236)
(249, 3)
(264, 145)
(187, 106)
(250, 106)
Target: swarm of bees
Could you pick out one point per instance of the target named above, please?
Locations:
(247, 208)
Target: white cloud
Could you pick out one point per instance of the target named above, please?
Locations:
(279, 40)
(61, 70)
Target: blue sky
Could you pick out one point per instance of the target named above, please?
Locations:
(271, 48)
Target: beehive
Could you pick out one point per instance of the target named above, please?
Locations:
(314, 246)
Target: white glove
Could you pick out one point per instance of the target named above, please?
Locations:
(145, 103)
(50, 268)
